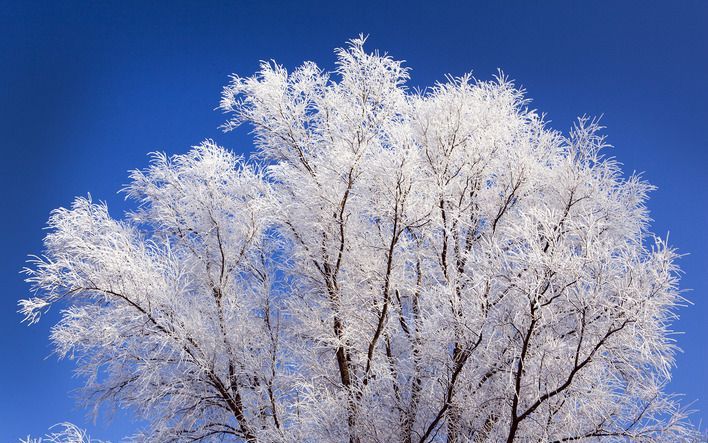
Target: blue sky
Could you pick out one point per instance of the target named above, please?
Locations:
(87, 90)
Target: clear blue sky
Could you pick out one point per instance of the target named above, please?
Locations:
(87, 90)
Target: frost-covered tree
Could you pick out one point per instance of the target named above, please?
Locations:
(63, 433)
(389, 266)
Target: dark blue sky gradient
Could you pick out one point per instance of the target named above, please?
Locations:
(87, 90)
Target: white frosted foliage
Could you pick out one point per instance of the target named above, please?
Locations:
(389, 266)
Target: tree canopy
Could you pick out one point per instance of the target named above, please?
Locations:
(388, 266)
